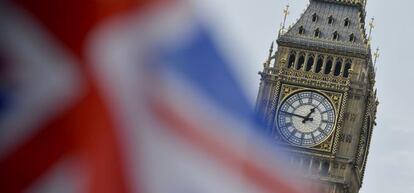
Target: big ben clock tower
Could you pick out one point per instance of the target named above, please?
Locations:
(317, 93)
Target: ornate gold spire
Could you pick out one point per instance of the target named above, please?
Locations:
(267, 63)
(376, 56)
(282, 25)
(285, 13)
(371, 27)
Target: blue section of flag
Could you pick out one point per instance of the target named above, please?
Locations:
(199, 61)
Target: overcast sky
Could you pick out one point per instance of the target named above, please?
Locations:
(245, 29)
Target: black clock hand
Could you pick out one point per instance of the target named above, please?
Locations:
(296, 115)
(313, 110)
(307, 118)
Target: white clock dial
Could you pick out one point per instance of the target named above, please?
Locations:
(306, 119)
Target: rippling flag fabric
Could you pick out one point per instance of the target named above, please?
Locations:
(124, 96)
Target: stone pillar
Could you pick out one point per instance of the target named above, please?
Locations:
(343, 68)
(305, 63)
(315, 62)
(333, 66)
(295, 65)
(324, 64)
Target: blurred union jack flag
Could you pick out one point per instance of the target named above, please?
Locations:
(124, 96)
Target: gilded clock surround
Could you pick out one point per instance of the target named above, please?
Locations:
(301, 122)
(336, 100)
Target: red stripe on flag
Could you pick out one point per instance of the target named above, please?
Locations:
(22, 167)
(85, 131)
(71, 21)
(268, 180)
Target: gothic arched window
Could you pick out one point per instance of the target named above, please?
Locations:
(319, 64)
(347, 22)
(328, 67)
(335, 36)
(314, 17)
(348, 67)
(315, 166)
(352, 38)
(301, 61)
(317, 33)
(301, 30)
(338, 67)
(325, 168)
(292, 59)
(310, 62)
(330, 20)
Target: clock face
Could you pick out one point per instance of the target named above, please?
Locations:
(306, 119)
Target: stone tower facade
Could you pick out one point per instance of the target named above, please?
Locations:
(317, 94)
